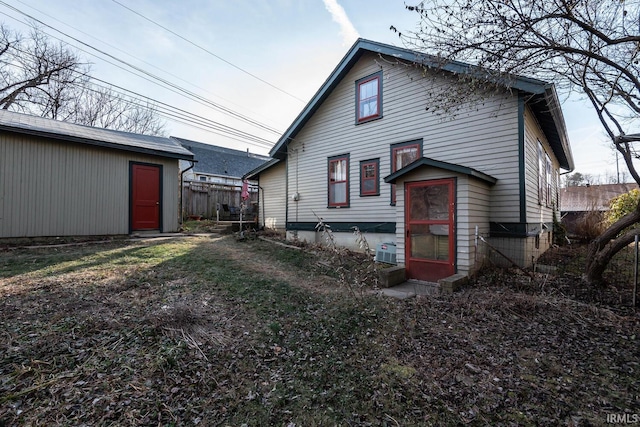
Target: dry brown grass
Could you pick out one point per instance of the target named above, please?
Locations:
(216, 332)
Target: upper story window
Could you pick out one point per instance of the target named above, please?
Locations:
(402, 155)
(369, 177)
(369, 98)
(338, 181)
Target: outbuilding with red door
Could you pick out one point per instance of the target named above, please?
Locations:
(63, 179)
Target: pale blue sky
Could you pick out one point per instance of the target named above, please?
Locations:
(292, 44)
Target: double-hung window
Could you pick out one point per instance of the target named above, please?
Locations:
(402, 155)
(545, 197)
(369, 178)
(549, 170)
(338, 181)
(369, 98)
(542, 176)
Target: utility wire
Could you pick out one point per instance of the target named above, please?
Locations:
(167, 111)
(145, 62)
(208, 51)
(160, 79)
(201, 100)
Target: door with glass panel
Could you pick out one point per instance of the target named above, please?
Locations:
(429, 229)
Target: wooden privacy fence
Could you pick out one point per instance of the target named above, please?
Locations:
(208, 200)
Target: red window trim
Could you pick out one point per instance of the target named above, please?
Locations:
(375, 178)
(330, 183)
(417, 146)
(376, 77)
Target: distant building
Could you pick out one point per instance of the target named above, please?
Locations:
(218, 165)
(577, 201)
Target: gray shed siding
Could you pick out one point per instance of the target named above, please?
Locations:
(483, 136)
(53, 188)
(273, 198)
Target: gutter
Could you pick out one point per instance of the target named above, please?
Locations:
(551, 98)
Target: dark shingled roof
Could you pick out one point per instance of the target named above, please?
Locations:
(65, 131)
(215, 160)
(592, 197)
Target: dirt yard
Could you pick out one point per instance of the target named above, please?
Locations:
(215, 332)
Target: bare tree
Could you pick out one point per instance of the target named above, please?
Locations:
(43, 78)
(32, 69)
(103, 107)
(588, 46)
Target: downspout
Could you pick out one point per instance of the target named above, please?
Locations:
(262, 218)
(286, 194)
(193, 163)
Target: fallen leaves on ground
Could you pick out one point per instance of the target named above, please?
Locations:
(215, 332)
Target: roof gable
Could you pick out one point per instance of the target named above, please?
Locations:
(71, 132)
(544, 99)
(451, 167)
(215, 160)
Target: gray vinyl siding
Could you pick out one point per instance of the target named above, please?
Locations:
(273, 197)
(53, 188)
(472, 209)
(537, 213)
(483, 136)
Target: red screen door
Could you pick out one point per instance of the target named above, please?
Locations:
(429, 229)
(145, 197)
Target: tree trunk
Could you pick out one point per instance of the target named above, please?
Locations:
(609, 243)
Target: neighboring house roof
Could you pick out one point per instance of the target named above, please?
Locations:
(544, 100)
(591, 197)
(257, 171)
(65, 131)
(427, 162)
(221, 161)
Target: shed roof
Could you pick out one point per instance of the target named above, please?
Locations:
(65, 131)
(451, 167)
(215, 160)
(586, 198)
(544, 100)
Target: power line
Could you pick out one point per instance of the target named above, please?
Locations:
(217, 126)
(222, 108)
(170, 112)
(208, 51)
(153, 76)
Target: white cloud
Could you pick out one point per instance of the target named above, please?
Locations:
(347, 30)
